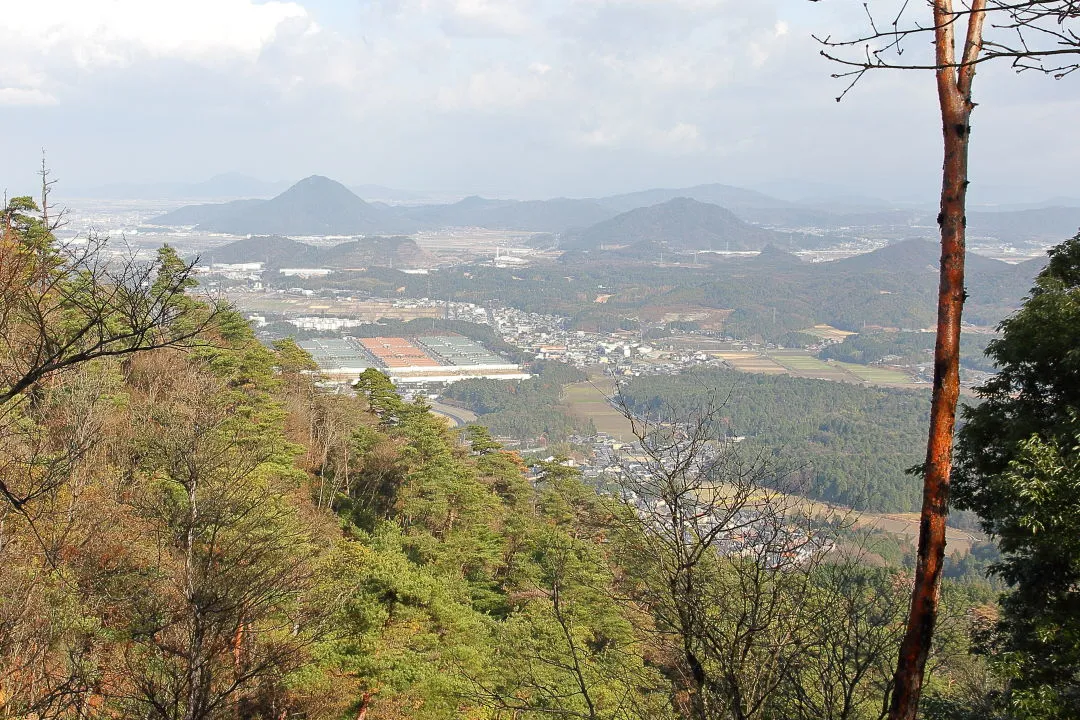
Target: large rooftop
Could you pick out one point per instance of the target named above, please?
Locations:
(456, 350)
(338, 354)
(433, 359)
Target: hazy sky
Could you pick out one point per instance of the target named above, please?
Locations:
(510, 98)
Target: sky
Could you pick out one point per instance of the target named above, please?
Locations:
(504, 98)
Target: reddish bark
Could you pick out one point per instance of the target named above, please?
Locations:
(365, 704)
(954, 97)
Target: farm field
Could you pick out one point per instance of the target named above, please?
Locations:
(906, 525)
(876, 374)
(827, 332)
(752, 363)
(589, 399)
(805, 365)
(291, 305)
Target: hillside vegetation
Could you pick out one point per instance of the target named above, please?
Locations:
(852, 444)
(191, 529)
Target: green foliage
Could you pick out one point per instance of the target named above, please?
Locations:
(292, 359)
(196, 532)
(797, 339)
(379, 390)
(906, 348)
(851, 444)
(1019, 469)
(526, 409)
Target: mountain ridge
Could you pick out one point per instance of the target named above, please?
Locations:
(680, 225)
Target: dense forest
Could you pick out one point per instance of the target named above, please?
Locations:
(192, 529)
(525, 410)
(853, 445)
(907, 348)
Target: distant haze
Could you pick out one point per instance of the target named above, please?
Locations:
(522, 99)
(702, 218)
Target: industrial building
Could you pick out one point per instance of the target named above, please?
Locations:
(435, 359)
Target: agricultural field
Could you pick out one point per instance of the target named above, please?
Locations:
(876, 374)
(827, 332)
(805, 365)
(752, 362)
(589, 400)
(292, 305)
(906, 526)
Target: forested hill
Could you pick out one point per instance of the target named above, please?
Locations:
(313, 206)
(208, 213)
(278, 252)
(680, 225)
(734, 198)
(769, 295)
(852, 444)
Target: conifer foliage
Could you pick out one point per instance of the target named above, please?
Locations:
(1019, 469)
(190, 529)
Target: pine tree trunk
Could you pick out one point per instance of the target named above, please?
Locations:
(954, 97)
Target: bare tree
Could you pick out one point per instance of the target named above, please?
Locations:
(1040, 35)
(724, 560)
(66, 304)
(845, 669)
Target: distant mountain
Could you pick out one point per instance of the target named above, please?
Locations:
(913, 256)
(995, 288)
(274, 251)
(313, 206)
(1050, 225)
(831, 196)
(278, 252)
(203, 214)
(397, 252)
(774, 258)
(234, 185)
(678, 226)
(727, 196)
(918, 256)
(557, 215)
(811, 217)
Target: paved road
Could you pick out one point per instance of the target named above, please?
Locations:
(456, 415)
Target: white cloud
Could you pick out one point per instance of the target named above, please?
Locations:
(384, 88)
(25, 96)
(64, 40)
(683, 136)
(495, 89)
(488, 18)
(103, 32)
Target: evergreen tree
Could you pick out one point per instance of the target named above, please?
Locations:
(1019, 469)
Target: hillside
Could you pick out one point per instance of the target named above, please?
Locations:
(274, 251)
(279, 252)
(1052, 224)
(208, 213)
(733, 198)
(769, 295)
(313, 206)
(679, 225)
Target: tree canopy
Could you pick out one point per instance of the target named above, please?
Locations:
(1019, 469)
